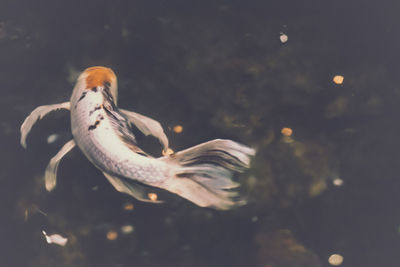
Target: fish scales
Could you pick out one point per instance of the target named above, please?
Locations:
(102, 144)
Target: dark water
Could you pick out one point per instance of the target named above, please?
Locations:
(218, 69)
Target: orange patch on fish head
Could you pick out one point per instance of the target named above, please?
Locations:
(99, 76)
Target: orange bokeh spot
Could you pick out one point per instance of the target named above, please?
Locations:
(338, 79)
(177, 129)
(286, 131)
(112, 235)
(128, 206)
(152, 196)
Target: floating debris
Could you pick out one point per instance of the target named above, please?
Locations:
(177, 129)
(335, 259)
(337, 182)
(338, 79)
(40, 211)
(52, 138)
(283, 37)
(112, 235)
(286, 131)
(55, 239)
(128, 206)
(152, 196)
(127, 229)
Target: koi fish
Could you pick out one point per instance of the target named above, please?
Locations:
(201, 174)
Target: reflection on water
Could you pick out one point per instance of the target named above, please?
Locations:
(320, 106)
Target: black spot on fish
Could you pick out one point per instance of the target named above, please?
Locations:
(82, 96)
(94, 126)
(100, 117)
(96, 108)
(94, 89)
(107, 84)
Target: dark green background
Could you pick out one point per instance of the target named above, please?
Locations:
(218, 69)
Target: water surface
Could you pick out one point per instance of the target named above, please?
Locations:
(219, 69)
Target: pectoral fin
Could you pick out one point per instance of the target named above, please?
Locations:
(125, 186)
(36, 115)
(147, 126)
(50, 176)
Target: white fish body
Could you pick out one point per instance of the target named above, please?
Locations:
(201, 174)
(103, 133)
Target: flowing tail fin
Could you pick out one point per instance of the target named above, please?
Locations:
(203, 173)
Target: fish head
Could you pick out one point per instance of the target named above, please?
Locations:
(99, 77)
